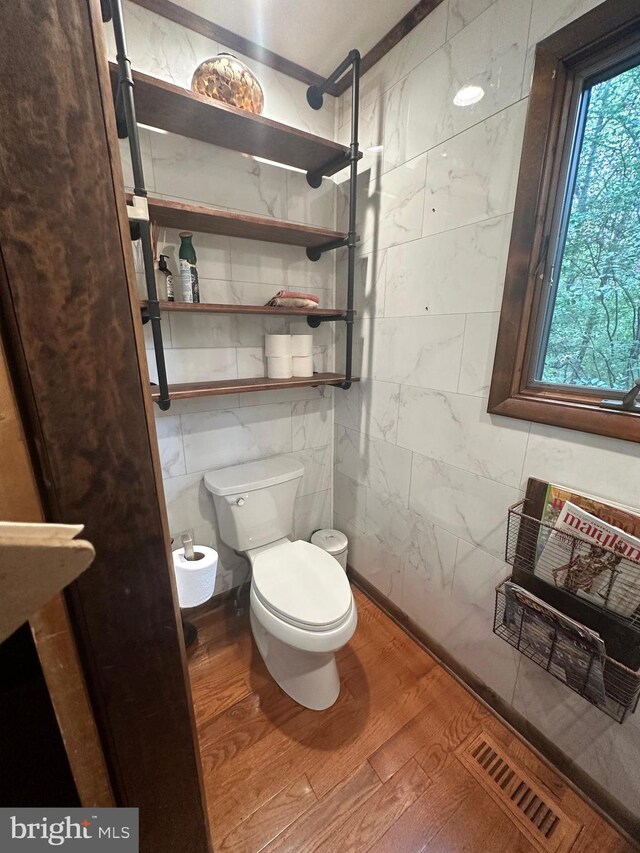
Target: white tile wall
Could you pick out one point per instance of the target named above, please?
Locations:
(489, 52)
(456, 429)
(473, 176)
(424, 476)
(454, 272)
(463, 12)
(462, 502)
(371, 408)
(394, 214)
(196, 435)
(423, 351)
(383, 467)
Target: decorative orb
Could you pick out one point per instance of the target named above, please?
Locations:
(226, 79)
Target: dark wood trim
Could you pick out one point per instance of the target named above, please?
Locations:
(229, 39)
(229, 223)
(273, 60)
(241, 386)
(604, 25)
(620, 818)
(557, 65)
(233, 308)
(176, 110)
(390, 40)
(71, 325)
(577, 416)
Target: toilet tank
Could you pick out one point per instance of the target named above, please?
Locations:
(254, 501)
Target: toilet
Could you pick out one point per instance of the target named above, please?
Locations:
(302, 609)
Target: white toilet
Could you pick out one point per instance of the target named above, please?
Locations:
(302, 608)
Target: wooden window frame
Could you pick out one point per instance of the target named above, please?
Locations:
(558, 73)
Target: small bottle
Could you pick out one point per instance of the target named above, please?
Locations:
(162, 266)
(188, 271)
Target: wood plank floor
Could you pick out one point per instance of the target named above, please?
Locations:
(377, 771)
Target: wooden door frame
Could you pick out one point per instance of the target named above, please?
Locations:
(73, 336)
(50, 626)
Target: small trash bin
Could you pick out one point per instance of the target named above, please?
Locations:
(333, 542)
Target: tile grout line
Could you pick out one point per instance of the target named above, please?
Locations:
(434, 459)
(435, 525)
(464, 340)
(410, 485)
(475, 222)
(526, 53)
(476, 124)
(455, 565)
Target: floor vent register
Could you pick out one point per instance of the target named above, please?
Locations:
(533, 809)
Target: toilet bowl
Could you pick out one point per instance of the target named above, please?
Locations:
(302, 612)
(302, 609)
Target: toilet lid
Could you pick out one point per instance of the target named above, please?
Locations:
(302, 584)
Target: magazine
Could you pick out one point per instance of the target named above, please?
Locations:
(605, 569)
(614, 514)
(558, 641)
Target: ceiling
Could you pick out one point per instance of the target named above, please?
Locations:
(316, 34)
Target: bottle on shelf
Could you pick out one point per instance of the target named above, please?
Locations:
(188, 270)
(162, 266)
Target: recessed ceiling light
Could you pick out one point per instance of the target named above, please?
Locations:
(468, 95)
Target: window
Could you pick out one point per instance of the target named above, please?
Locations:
(591, 333)
(569, 342)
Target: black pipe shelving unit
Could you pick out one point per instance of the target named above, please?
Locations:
(139, 224)
(315, 98)
(179, 111)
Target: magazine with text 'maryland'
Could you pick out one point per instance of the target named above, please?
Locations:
(604, 566)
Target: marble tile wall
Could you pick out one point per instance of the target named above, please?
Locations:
(423, 475)
(197, 435)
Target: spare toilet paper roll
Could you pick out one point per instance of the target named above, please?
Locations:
(301, 345)
(280, 367)
(277, 346)
(195, 579)
(303, 365)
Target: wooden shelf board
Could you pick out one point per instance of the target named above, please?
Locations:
(171, 108)
(241, 386)
(232, 308)
(212, 220)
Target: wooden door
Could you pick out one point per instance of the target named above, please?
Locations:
(71, 327)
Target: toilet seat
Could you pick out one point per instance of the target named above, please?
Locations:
(302, 585)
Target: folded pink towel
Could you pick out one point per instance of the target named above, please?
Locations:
(291, 302)
(295, 294)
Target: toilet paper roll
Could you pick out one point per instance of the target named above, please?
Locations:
(280, 367)
(301, 345)
(195, 579)
(277, 346)
(303, 365)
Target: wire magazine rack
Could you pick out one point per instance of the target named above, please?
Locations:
(544, 644)
(595, 581)
(606, 581)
